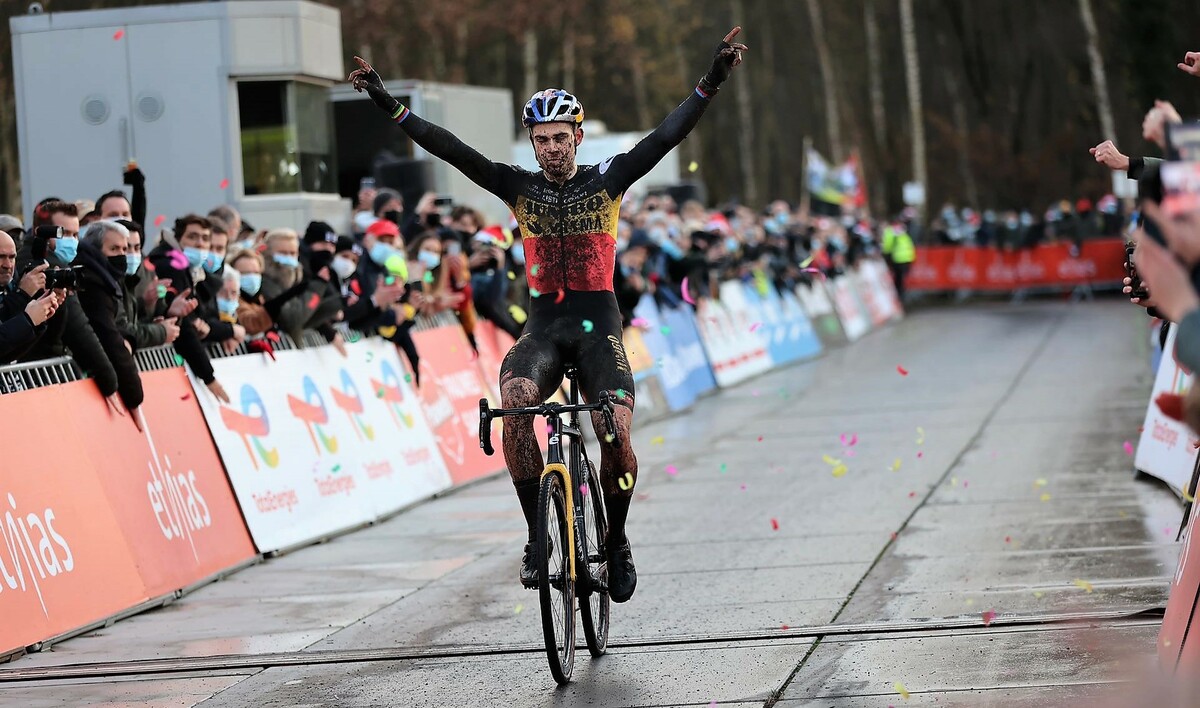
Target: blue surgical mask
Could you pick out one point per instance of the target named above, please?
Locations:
(195, 256)
(132, 261)
(65, 250)
(213, 263)
(429, 259)
(380, 253)
(672, 250)
(286, 261)
(518, 253)
(731, 244)
(251, 282)
(227, 307)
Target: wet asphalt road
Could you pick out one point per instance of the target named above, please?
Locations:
(990, 479)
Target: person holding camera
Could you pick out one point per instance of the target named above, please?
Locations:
(20, 327)
(101, 293)
(54, 242)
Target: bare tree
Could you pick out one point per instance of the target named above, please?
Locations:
(1099, 78)
(746, 128)
(912, 74)
(833, 123)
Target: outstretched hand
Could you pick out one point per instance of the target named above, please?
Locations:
(1190, 63)
(365, 78)
(728, 55)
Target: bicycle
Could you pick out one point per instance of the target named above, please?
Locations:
(563, 575)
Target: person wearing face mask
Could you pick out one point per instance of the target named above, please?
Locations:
(68, 331)
(179, 258)
(220, 331)
(316, 306)
(101, 293)
(490, 249)
(444, 282)
(144, 319)
(254, 312)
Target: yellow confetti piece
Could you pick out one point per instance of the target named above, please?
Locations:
(1045, 496)
(1123, 514)
(693, 166)
(970, 601)
(831, 461)
(954, 481)
(901, 690)
(920, 435)
(1187, 497)
(1038, 594)
(840, 470)
(518, 608)
(626, 482)
(806, 262)
(657, 440)
(1083, 585)
(896, 464)
(1038, 483)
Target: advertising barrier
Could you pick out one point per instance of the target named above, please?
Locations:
(814, 298)
(784, 326)
(853, 316)
(877, 292)
(735, 352)
(113, 519)
(674, 344)
(493, 344)
(1100, 261)
(451, 386)
(315, 443)
(1178, 648)
(1165, 449)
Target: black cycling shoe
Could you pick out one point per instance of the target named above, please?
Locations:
(529, 571)
(622, 577)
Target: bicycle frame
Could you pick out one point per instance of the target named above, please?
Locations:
(556, 461)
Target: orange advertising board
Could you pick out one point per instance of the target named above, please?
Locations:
(954, 267)
(104, 518)
(451, 386)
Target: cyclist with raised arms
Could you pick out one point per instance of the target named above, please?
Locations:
(568, 217)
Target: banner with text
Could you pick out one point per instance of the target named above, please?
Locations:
(1100, 261)
(315, 443)
(1166, 448)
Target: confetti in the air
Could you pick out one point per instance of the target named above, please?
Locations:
(755, 326)
(1083, 585)
(639, 322)
(840, 470)
(849, 440)
(178, 360)
(518, 608)
(760, 438)
(621, 393)
(1045, 496)
(561, 295)
(178, 260)
(533, 292)
(774, 524)
(657, 440)
(920, 455)
(626, 482)
(588, 326)
(185, 396)
(685, 290)
(533, 269)
(583, 488)
(724, 467)
(158, 220)
(609, 437)
(1040, 482)
(901, 370)
(901, 690)
(380, 393)
(1128, 447)
(665, 330)
(672, 470)
(1186, 496)
(693, 166)
(896, 464)
(920, 435)
(408, 378)
(337, 468)
(118, 35)
(988, 617)
(224, 183)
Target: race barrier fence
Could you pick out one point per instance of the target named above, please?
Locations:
(1099, 262)
(313, 444)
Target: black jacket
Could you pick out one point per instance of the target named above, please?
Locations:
(188, 344)
(17, 332)
(102, 297)
(68, 332)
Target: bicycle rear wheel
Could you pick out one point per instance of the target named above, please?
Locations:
(594, 609)
(556, 592)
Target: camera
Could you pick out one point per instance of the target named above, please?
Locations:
(63, 278)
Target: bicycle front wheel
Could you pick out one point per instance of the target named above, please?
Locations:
(594, 609)
(556, 591)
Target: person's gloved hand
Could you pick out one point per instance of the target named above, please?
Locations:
(134, 177)
(365, 78)
(727, 56)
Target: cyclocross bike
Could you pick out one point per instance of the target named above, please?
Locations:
(570, 528)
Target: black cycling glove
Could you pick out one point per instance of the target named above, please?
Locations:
(372, 83)
(721, 67)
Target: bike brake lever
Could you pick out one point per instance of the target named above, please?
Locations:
(485, 428)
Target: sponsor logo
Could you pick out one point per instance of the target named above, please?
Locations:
(176, 502)
(1166, 435)
(350, 401)
(251, 425)
(311, 411)
(275, 501)
(436, 400)
(387, 389)
(33, 550)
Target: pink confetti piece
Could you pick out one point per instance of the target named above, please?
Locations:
(743, 487)
(920, 455)
(755, 326)
(988, 617)
(583, 489)
(1128, 447)
(118, 35)
(672, 470)
(1008, 539)
(814, 271)
(849, 440)
(683, 289)
(158, 220)
(178, 260)
(639, 322)
(912, 495)
(901, 370)
(784, 627)
(760, 438)
(224, 183)
(774, 524)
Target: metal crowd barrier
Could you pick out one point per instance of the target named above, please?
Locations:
(47, 372)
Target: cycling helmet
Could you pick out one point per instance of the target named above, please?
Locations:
(552, 106)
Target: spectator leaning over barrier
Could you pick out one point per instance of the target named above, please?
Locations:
(68, 329)
(102, 254)
(383, 281)
(143, 324)
(21, 326)
(441, 281)
(179, 257)
(315, 307)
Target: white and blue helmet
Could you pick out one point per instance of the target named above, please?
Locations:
(552, 106)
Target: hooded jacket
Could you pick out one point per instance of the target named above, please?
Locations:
(102, 296)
